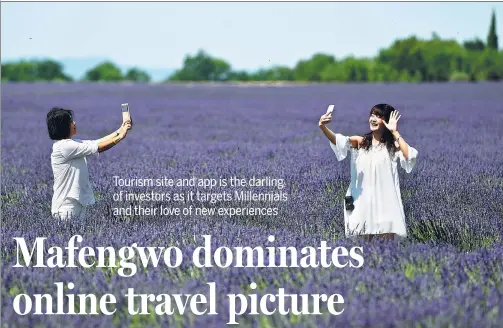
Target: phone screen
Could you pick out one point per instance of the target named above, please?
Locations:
(330, 109)
(126, 116)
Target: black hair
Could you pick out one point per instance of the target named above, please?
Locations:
(58, 123)
(382, 111)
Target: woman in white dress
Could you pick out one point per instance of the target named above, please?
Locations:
(373, 203)
(72, 190)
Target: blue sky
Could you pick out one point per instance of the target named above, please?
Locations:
(248, 35)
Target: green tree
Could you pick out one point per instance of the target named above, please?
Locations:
(381, 72)
(311, 69)
(22, 71)
(220, 70)
(492, 38)
(406, 55)
(31, 71)
(261, 75)
(275, 73)
(283, 73)
(350, 69)
(106, 71)
(50, 70)
(433, 60)
(474, 45)
(239, 76)
(202, 67)
(137, 75)
(333, 72)
(490, 66)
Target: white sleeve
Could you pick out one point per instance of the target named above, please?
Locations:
(79, 148)
(341, 147)
(410, 163)
(93, 143)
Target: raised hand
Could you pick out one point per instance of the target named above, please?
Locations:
(325, 119)
(392, 125)
(126, 125)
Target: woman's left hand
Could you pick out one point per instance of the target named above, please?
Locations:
(392, 125)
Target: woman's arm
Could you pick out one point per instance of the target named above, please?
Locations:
(110, 136)
(392, 126)
(404, 146)
(324, 119)
(328, 133)
(115, 133)
(111, 140)
(354, 140)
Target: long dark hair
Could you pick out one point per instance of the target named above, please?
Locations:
(382, 111)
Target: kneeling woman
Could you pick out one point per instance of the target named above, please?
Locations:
(72, 189)
(373, 204)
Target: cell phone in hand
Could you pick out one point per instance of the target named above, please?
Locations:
(330, 109)
(126, 114)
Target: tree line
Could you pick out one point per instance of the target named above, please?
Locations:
(51, 70)
(406, 60)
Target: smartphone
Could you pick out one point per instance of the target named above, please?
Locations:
(126, 115)
(330, 109)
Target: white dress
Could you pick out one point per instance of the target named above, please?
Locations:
(375, 188)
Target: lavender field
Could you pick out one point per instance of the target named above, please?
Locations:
(447, 273)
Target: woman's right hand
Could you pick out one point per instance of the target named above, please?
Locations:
(325, 119)
(126, 125)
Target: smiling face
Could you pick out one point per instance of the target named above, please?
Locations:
(376, 120)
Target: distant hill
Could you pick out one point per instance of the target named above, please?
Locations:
(77, 67)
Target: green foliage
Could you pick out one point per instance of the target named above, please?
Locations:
(311, 69)
(474, 45)
(460, 76)
(106, 71)
(487, 66)
(492, 38)
(35, 70)
(239, 76)
(439, 60)
(50, 70)
(462, 237)
(276, 73)
(406, 60)
(350, 69)
(137, 75)
(202, 67)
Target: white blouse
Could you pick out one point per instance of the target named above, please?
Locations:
(375, 188)
(71, 175)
